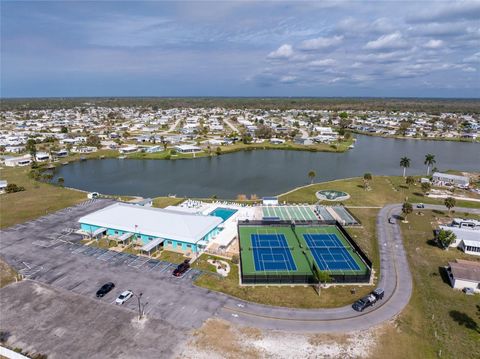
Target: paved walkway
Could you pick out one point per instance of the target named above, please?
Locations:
(229, 124)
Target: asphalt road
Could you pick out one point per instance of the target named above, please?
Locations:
(41, 252)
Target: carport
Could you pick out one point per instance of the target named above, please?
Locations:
(98, 232)
(152, 246)
(124, 237)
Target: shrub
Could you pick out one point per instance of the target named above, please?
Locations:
(12, 188)
(235, 259)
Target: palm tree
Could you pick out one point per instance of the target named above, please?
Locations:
(450, 202)
(429, 161)
(366, 178)
(404, 162)
(312, 175)
(407, 208)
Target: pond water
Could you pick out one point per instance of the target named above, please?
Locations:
(263, 172)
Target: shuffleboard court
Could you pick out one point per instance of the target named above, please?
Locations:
(290, 213)
(330, 253)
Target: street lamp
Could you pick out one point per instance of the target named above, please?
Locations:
(141, 308)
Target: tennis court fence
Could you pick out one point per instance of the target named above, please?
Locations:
(303, 278)
(306, 278)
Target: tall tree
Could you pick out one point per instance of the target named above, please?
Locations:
(426, 186)
(407, 208)
(367, 177)
(450, 202)
(312, 175)
(409, 181)
(429, 161)
(405, 163)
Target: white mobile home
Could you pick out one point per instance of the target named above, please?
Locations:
(464, 274)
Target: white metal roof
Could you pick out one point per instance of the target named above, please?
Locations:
(464, 233)
(153, 222)
(152, 244)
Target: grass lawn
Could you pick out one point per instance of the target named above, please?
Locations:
(37, 200)
(202, 264)
(7, 274)
(104, 243)
(172, 257)
(162, 202)
(131, 250)
(240, 146)
(438, 319)
(286, 296)
(384, 190)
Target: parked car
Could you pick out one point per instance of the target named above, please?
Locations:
(104, 289)
(123, 297)
(182, 268)
(362, 304)
(420, 205)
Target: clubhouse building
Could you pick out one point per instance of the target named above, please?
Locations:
(153, 228)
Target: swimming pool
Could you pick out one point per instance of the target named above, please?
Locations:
(223, 213)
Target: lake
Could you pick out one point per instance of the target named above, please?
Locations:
(263, 172)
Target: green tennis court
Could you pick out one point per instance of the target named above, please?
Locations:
(280, 253)
(290, 213)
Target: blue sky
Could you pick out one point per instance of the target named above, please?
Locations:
(240, 48)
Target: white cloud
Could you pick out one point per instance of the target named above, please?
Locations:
(473, 58)
(434, 44)
(321, 43)
(283, 52)
(385, 42)
(288, 79)
(322, 63)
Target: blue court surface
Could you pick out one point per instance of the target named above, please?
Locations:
(271, 253)
(330, 253)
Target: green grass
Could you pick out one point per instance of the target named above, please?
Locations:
(172, 257)
(384, 190)
(285, 296)
(438, 318)
(37, 200)
(162, 202)
(169, 154)
(103, 243)
(7, 274)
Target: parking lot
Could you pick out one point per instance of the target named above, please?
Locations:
(45, 320)
(47, 250)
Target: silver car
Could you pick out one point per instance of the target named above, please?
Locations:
(124, 296)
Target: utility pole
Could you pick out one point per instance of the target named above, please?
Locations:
(139, 305)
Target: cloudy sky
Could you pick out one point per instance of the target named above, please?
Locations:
(240, 48)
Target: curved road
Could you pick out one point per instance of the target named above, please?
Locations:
(395, 278)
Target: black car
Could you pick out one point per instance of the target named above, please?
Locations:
(361, 304)
(104, 289)
(182, 268)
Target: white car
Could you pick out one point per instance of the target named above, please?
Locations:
(124, 296)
